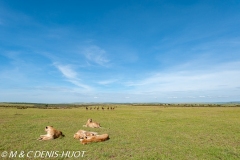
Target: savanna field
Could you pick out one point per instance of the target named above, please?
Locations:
(136, 132)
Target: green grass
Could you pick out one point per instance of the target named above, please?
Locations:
(136, 132)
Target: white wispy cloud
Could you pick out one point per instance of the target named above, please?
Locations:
(71, 75)
(216, 80)
(106, 82)
(67, 71)
(96, 55)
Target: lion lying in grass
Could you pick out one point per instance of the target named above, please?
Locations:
(52, 133)
(81, 134)
(96, 138)
(92, 124)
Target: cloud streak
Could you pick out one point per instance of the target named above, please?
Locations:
(67, 71)
(106, 82)
(215, 80)
(96, 55)
(71, 75)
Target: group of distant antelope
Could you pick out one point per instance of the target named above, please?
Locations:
(103, 108)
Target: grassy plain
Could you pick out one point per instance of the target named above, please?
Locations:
(136, 132)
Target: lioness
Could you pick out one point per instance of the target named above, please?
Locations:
(52, 133)
(81, 134)
(97, 138)
(92, 124)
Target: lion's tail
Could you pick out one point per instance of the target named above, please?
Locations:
(62, 134)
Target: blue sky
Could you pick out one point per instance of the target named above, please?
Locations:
(119, 51)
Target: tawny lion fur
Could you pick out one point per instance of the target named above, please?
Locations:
(97, 138)
(92, 124)
(81, 134)
(52, 133)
